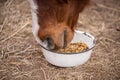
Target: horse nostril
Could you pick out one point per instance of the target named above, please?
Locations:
(65, 38)
(50, 42)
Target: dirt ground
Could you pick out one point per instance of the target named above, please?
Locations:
(21, 57)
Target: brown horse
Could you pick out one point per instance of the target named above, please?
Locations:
(54, 21)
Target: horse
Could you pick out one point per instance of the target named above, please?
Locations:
(53, 21)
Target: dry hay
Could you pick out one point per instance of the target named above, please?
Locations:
(21, 57)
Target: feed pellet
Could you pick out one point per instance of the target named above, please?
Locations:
(74, 48)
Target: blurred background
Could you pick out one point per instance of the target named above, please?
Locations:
(21, 57)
